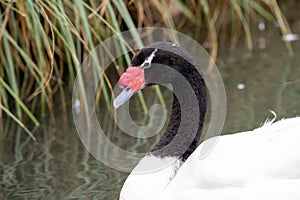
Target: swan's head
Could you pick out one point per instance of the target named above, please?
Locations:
(146, 69)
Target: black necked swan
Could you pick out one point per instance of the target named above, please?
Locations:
(262, 164)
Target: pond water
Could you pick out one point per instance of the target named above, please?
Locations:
(58, 166)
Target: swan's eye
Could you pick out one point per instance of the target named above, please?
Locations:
(146, 65)
(148, 61)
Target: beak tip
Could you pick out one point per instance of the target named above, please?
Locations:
(123, 97)
(116, 105)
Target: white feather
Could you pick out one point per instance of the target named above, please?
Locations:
(263, 164)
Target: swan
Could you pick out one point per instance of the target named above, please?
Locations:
(262, 164)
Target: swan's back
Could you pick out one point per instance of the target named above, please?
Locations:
(259, 164)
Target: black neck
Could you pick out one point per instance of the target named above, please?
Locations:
(185, 143)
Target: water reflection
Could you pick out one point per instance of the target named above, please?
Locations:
(56, 167)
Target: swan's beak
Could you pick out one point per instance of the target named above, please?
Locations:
(123, 97)
(132, 81)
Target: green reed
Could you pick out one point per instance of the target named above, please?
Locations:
(43, 42)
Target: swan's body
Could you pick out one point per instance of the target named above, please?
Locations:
(263, 164)
(259, 164)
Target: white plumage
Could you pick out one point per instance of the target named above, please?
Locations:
(260, 164)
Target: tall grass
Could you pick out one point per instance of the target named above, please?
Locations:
(42, 43)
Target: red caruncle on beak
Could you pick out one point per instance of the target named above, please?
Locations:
(133, 78)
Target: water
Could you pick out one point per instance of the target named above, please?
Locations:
(59, 167)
